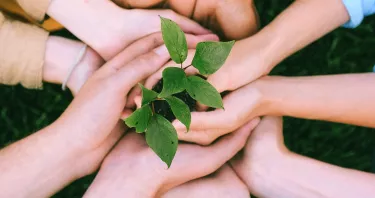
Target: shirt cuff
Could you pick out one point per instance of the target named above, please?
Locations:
(357, 10)
(35, 8)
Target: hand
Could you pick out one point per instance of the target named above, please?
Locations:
(108, 28)
(232, 19)
(240, 106)
(264, 149)
(103, 97)
(224, 183)
(133, 169)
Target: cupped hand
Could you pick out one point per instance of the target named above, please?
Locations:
(224, 183)
(138, 23)
(99, 105)
(236, 19)
(264, 149)
(132, 162)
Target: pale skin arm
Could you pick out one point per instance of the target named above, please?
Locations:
(299, 25)
(39, 165)
(299, 176)
(277, 172)
(347, 98)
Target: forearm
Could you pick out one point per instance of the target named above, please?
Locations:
(299, 176)
(91, 21)
(345, 98)
(299, 25)
(39, 165)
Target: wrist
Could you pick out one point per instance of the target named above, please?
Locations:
(59, 56)
(271, 90)
(111, 182)
(265, 177)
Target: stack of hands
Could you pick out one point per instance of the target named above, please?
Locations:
(126, 47)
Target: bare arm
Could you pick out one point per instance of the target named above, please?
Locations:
(39, 165)
(277, 172)
(299, 25)
(345, 98)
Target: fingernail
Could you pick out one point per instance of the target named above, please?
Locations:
(161, 51)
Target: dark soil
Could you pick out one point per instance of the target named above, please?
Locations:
(162, 107)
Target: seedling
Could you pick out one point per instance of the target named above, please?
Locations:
(161, 136)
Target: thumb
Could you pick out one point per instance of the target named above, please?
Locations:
(223, 150)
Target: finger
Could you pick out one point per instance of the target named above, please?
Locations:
(138, 101)
(207, 136)
(139, 47)
(136, 91)
(205, 120)
(126, 113)
(154, 78)
(227, 147)
(129, 4)
(186, 24)
(140, 68)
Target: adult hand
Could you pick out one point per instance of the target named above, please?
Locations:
(264, 150)
(114, 28)
(133, 169)
(244, 64)
(236, 19)
(100, 103)
(240, 106)
(224, 183)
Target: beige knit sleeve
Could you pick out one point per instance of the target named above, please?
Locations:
(22, 49)
(35, 8)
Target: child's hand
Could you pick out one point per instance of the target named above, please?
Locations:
(132, 169)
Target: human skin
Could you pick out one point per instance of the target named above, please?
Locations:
(132, 169)
(61, 54)
(257, 55)
(277, 172)
(77, 142)
(235, 19)
(224, 183)
(346, 98)
(107, 28)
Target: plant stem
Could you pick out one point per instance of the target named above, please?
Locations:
(181, 65)
(187, 67)
(153, 108)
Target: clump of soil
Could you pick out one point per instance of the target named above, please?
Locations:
(163, 108)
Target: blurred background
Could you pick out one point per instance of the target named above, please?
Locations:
(23, 112)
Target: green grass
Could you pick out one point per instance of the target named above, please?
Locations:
(23, 112)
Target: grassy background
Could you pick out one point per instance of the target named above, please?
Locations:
(23, 112)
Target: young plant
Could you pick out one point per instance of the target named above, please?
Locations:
(161, 136)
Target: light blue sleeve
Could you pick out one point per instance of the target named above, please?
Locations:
(357, 10)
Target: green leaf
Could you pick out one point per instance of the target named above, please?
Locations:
(161, 136)
(203, 92)
(174, 81)
(139, 119)
(210, 56)
(180, 110)
(147, 95)
(175, 40)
